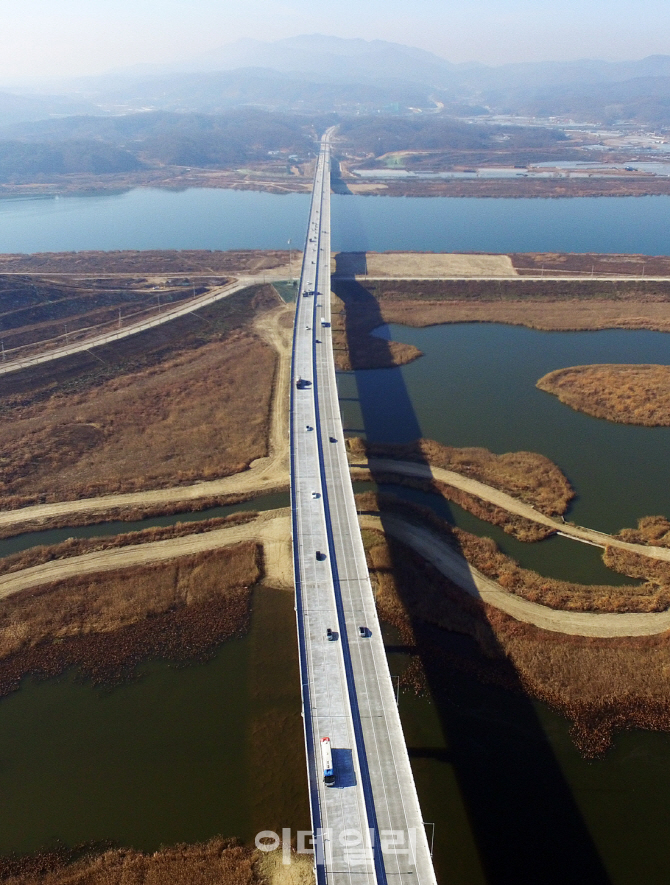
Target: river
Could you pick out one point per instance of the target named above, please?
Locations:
(225, 219)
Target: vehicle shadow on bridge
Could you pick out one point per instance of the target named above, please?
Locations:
(524, 820)
(343, 764)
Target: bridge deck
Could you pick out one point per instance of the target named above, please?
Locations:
(369, 827)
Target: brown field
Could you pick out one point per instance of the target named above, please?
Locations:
(419, 265)
(551, 317)
(520, 187)
(217, 862)
(189, 402)
(197, 416)
(587, 263)
(625, 394)
(524, 475)
(598, 684)
(36, 310)
(148, 263)
(560, 305)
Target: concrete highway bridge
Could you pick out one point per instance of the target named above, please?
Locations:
(367, 826)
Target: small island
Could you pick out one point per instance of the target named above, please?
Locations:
(622, 393)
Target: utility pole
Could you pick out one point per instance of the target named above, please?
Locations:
(290, 263)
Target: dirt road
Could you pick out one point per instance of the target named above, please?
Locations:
(453, 566)
(171, 313)
(272, 529)
(507, 502)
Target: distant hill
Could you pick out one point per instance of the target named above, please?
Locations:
(318, 74)
(329, 59)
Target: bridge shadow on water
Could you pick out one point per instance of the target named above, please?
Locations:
(526, 825)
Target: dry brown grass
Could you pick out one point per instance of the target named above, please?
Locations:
(586, 263)
(625, 394)
(518, 187)
(552, 305)
(525, 475)
(652, 530)
(427, 264)
(511, 523)
(110, 601)
(217, 862)
(105, 625)
(149, 262)
(651, 596)
(600, 685)
(196, 416)
(132, 513)
(555, 316)
(655, 571)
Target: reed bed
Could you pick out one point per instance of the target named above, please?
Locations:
(528, 476)
(105, 624)
(624, 394)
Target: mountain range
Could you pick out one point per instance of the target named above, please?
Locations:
(316, 73)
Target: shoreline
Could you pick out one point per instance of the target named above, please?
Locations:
(178, 178)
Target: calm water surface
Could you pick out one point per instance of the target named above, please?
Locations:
(201, 218)
(475, 386)
(181, 754)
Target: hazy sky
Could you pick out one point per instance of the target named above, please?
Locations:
(44, 38)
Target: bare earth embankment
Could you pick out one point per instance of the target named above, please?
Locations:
(625, 394)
